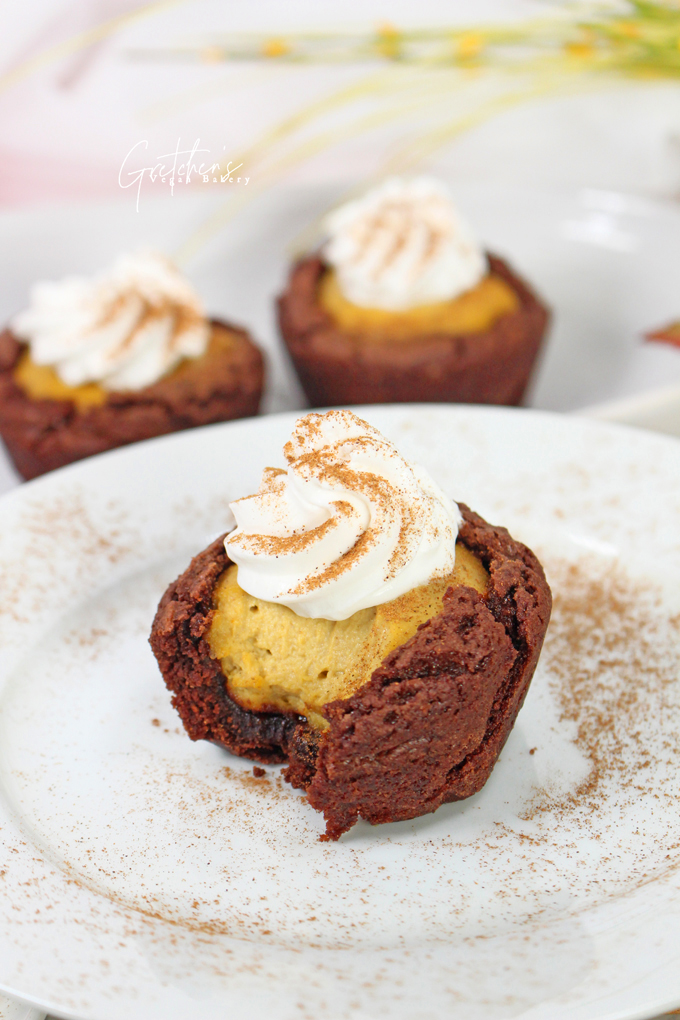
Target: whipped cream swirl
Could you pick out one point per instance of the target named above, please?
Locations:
(348, 525)
(402, 245)
(124, 329)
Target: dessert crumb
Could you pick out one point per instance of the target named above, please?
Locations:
(258, 772)
(533, 750)
(155, 722)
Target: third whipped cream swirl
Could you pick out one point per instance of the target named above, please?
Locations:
(402, 245)
(349, 525)
(124, 329)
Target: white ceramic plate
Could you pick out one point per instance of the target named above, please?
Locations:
(145, 877)
(10, 1010)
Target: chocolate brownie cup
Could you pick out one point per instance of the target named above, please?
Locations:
(335, 366)
(402, 304)
(94, 365)
(44, 434)
(414, 728)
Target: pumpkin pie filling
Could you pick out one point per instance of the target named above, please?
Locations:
(472, 312)
(41, 382)
(275, 660)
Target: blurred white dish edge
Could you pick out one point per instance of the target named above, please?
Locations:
(658, 410)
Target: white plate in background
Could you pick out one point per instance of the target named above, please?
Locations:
(605, 262)
(146, 877)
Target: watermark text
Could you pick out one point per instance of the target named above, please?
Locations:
(180, 166)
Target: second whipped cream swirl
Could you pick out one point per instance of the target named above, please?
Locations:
(349, 525)
(402, 245)
(124, 329)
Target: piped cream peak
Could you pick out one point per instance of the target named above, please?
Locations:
(403, 245)
(348, 525)
(124, 329)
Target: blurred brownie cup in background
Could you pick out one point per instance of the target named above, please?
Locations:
(403, 305)
(97, 363)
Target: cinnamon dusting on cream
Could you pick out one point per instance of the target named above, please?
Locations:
(401, 246)
(349, 525)
(124, 329)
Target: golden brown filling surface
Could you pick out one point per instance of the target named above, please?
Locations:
(276, 660)
(41, 382)
(473, 312)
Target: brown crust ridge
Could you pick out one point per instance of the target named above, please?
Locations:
(338, 368)
(41, 435)
(426, 729)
